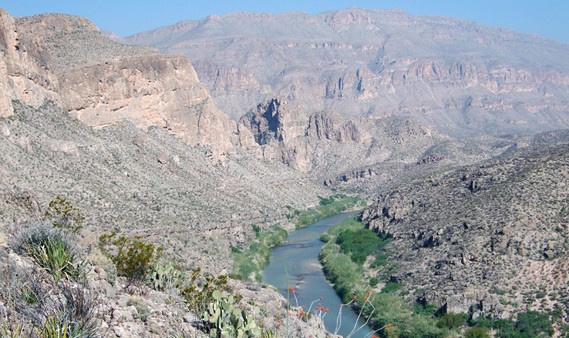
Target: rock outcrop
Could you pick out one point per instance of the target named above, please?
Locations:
(24, 74)
(279, 130)
(66, 60)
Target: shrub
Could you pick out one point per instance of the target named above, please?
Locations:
(532, 324)
(528, 324)
(133, 257)
(391, 287)
(141, 308)
(249, 263)
(373, 281)
(327, 207)
(477, 332)
(360, 244)
(97, 258)
(451, 320)
(198, 297)
(51, 249)
(64, 215)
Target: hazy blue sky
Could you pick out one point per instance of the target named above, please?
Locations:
(548, 18)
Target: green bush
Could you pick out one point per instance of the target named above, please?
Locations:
(64, 215)
(373, 281)
(250, 262)
(328, 206)
(198, 297)
(528, 324)
(349, 223)
(533, 324)
(451, 320)
(360, 244)
(348, 245)
(393, 310)
(132, 257)
(391, 287)
(477, 332)
(346, 276)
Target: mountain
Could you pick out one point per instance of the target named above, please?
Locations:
(455, 76)
(380, 102)
(488, 239)
(134, 140)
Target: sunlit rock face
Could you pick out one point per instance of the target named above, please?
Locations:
(460, 77)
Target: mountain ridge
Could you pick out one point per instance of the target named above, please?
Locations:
(457, 76)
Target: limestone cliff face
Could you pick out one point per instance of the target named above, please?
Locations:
(148, 90)
(456, 76)
(23, 76)
(280, 131)
(65, 59)
(332, 146)
(327, 125)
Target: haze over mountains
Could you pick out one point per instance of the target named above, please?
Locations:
(457, 76)
(268, 112)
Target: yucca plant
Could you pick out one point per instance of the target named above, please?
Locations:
(57, 256)
(51, 249)
(11, 330)
(53, 328)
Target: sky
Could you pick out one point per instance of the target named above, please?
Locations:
(548, 18)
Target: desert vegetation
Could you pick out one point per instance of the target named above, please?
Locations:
(250, 257)
(44, 289)
(357, 262)
(52, 287)
(328, 206)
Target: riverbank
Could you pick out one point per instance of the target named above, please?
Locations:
(357, 262)
(294, 266)
(250, 259)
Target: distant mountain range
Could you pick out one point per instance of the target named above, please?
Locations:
(459, 77)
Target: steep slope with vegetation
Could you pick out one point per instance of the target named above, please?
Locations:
(489, 241)
(133, 139)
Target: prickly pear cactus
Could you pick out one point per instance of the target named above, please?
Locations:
(224, 319)
(164, 277)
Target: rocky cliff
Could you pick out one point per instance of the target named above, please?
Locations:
(490, 239)
(364, 153)
(456, 76)
(67, 61)
(133, 140)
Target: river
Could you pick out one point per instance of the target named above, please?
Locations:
(297, 257)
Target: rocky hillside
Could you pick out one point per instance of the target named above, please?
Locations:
(456, 76)
(132, 139)
(490, 239)
(66, 60)
(328, 143)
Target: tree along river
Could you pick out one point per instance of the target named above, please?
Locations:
(295, 264)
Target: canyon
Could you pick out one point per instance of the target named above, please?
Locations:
(454, 131)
